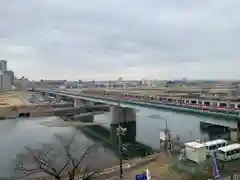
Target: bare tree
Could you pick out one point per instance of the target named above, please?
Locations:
(65, 159)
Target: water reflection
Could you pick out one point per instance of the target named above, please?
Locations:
(16, 134)
(185, 126)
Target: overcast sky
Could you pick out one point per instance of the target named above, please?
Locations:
(134, 39)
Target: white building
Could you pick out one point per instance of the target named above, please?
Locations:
(195, 152)
(5, 81)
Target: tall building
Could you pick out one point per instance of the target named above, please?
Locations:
(10, 74)
(6, 77)
(3, 65)
(5, 81)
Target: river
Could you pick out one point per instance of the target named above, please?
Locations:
(184, 125)
(16, 134)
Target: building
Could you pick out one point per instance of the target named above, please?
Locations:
(3, 65)
(5, 81)
(11, 75)
(6, 76)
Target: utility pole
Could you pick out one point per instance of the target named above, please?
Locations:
(120, 133)
(166, 144)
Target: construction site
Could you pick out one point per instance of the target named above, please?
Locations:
(14, 104)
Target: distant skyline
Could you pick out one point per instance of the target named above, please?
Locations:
(107, 39)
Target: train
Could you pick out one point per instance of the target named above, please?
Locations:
(191, 102)
(214, 103)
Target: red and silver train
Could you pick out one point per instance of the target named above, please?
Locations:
(214, 104)
(193, 102)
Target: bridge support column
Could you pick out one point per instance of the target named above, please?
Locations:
(126, 117)
(234, 134)
(58, 98)
(238, 130)
(78, 103)
(46, 95)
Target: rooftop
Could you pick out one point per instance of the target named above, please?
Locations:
(217, 141)
(194, 144)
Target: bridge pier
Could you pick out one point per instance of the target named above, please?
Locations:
(235, 132)
(126, 117)
(46, 95)
(78, 103)
(58, 98)
(238, 131)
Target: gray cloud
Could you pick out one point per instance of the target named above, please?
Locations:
(93, 39)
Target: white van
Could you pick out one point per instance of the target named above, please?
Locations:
(212, 146)
(228, 153)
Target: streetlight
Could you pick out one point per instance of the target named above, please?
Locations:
(120, 132)
(167, 134)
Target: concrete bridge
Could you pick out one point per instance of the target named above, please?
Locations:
(85, 112)
(121, 114)
(122, 110)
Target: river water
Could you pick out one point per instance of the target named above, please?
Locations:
(16, 134)
(184, 125)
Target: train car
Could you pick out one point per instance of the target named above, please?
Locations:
(207, 104)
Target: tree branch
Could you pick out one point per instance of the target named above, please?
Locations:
(49, 159)
(85, 153)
